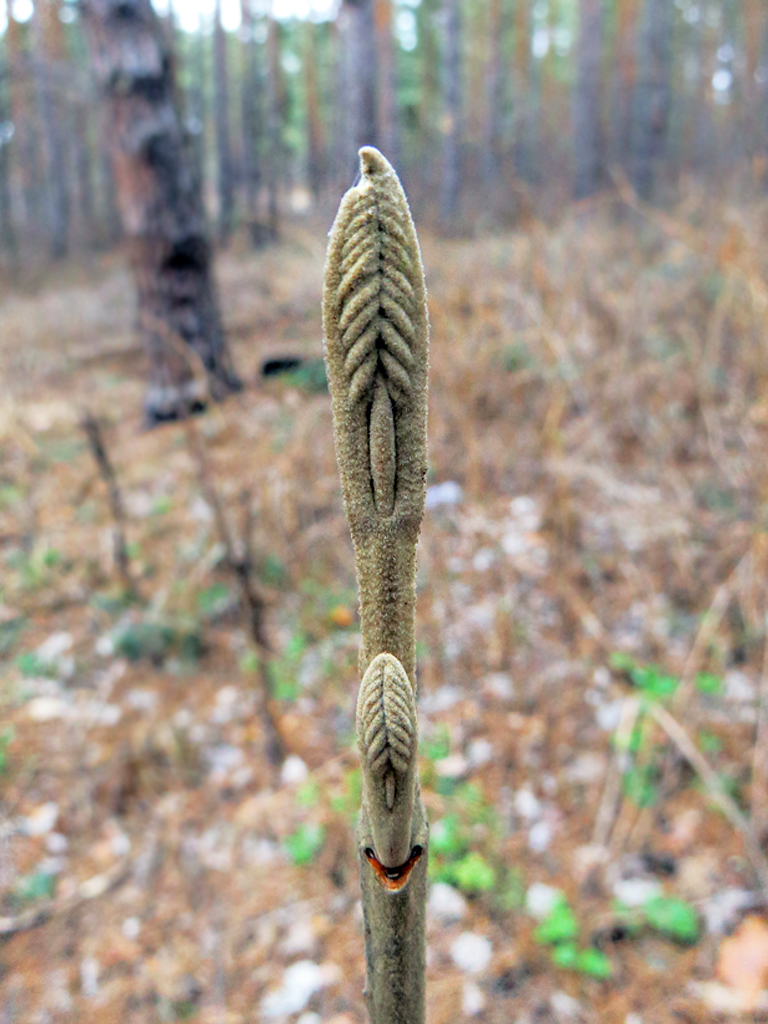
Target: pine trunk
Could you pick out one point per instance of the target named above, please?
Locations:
(450, 193)
(51, 73)
(623, 79)
(650, 114)
(587, 132)
(226, 181)
(491, 159)
(387, 84)
(364, 97)
(161, 209)
(251, 113)
(274, 135)
(315, 129)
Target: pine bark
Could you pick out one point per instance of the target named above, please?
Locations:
(274, 134)
(315, 127)
(623, 81)
(50, 72)
(450, 192)
(8, 240)
(364, 97)
(224, 162)
(251, 117)
(161, 209)
(650, 114)
(494, 81)
(387, 83)
(587, 106)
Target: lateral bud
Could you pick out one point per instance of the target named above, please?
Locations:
(387, 737)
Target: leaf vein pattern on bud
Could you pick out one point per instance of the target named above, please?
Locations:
(387, 716)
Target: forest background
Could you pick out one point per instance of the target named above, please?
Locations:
(178, 623)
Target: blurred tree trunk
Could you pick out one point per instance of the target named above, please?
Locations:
(587, 106)
(430, 96)
(525, 90)
(315, 129)
(494, 82)
(650, 109)
(340, 152)
(625, 47)
(274, 122)
(8, 240)
(755, 27)
(224, 162)
(389, 134)
(251, 114)
(363, 98)
(450, 190)
(22, 156)
(50, 69)
(83, 150)
(161, 208)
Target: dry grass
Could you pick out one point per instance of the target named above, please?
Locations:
(611, 374)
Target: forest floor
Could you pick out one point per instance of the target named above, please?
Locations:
(592, 645)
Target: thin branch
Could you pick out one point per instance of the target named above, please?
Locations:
(241, 567)
(95, 436)
(709, 777)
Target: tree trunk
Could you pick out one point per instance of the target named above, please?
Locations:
(315, 130)
(50, 70)
(364, 98)
(491, 158)
(387, 83)
(84, 152)
(587, 132)
(650, 114)
(450, 192)
(161, 209)
(251, 114)
(623, 81)
(526, 79)
(226, 183)
(8, 239)
(274, 122)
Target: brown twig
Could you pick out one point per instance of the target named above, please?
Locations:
(609, 803)
(708, 776)
(709, 625)
(95, 436)
(240, 565)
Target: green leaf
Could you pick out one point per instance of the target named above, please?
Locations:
(161, 505)
(38, 886)
(709, 743)
(51, 557)
(594, 963)
(249, 663)
(304, 843)
(673, 917)
(560, 925)
(652, 681)
(709, 684)
(621, 662)
(473, 874)
(308, 794)
(566, 955)
(639, 785)
(439, 746)
(32, 665)
(137, 640)
(214, 600)
(6, 738)
(446, 836)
